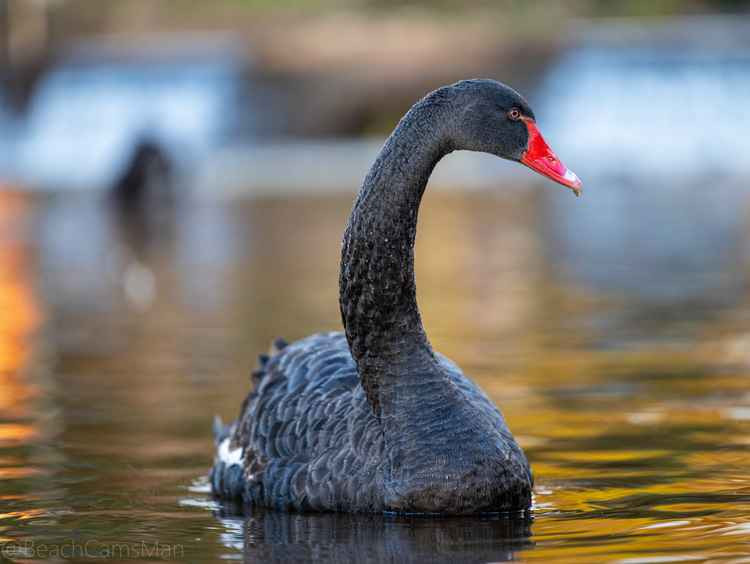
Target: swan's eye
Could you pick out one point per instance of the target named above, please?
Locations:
(514, 114)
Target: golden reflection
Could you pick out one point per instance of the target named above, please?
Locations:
(23, 515)
(19, 312)
(14, 473)
(20, 315)
(15, 433)
(487, 250)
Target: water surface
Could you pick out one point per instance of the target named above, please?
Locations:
(122, 333)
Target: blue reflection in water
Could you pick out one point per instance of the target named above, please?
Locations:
(656, 133)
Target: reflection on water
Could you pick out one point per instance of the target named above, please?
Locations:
(645, 117)
(122, 334)
(278, 537)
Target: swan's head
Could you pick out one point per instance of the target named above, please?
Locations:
(493, 118)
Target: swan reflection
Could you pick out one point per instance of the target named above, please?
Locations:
(270, 536)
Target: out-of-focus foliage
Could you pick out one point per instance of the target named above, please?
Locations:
(578, 7)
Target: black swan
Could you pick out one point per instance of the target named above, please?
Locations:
(374, 419)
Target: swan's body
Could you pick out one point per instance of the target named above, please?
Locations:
(317, 445)
(375, 420)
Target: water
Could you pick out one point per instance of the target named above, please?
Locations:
(122, 334)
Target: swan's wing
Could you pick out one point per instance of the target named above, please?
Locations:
(306, 433)
(298, 408)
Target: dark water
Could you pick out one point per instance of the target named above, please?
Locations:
(122, 334)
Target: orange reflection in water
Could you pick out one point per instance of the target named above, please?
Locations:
(19, 310)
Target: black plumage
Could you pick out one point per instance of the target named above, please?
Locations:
(374, 419)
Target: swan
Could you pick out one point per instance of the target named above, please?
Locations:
(373, 419)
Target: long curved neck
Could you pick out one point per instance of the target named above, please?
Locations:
(377, 291)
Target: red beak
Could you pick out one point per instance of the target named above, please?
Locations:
(539, 157)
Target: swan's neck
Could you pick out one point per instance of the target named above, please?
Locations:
(377, 287)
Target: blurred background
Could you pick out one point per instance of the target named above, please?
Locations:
(175, 177)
